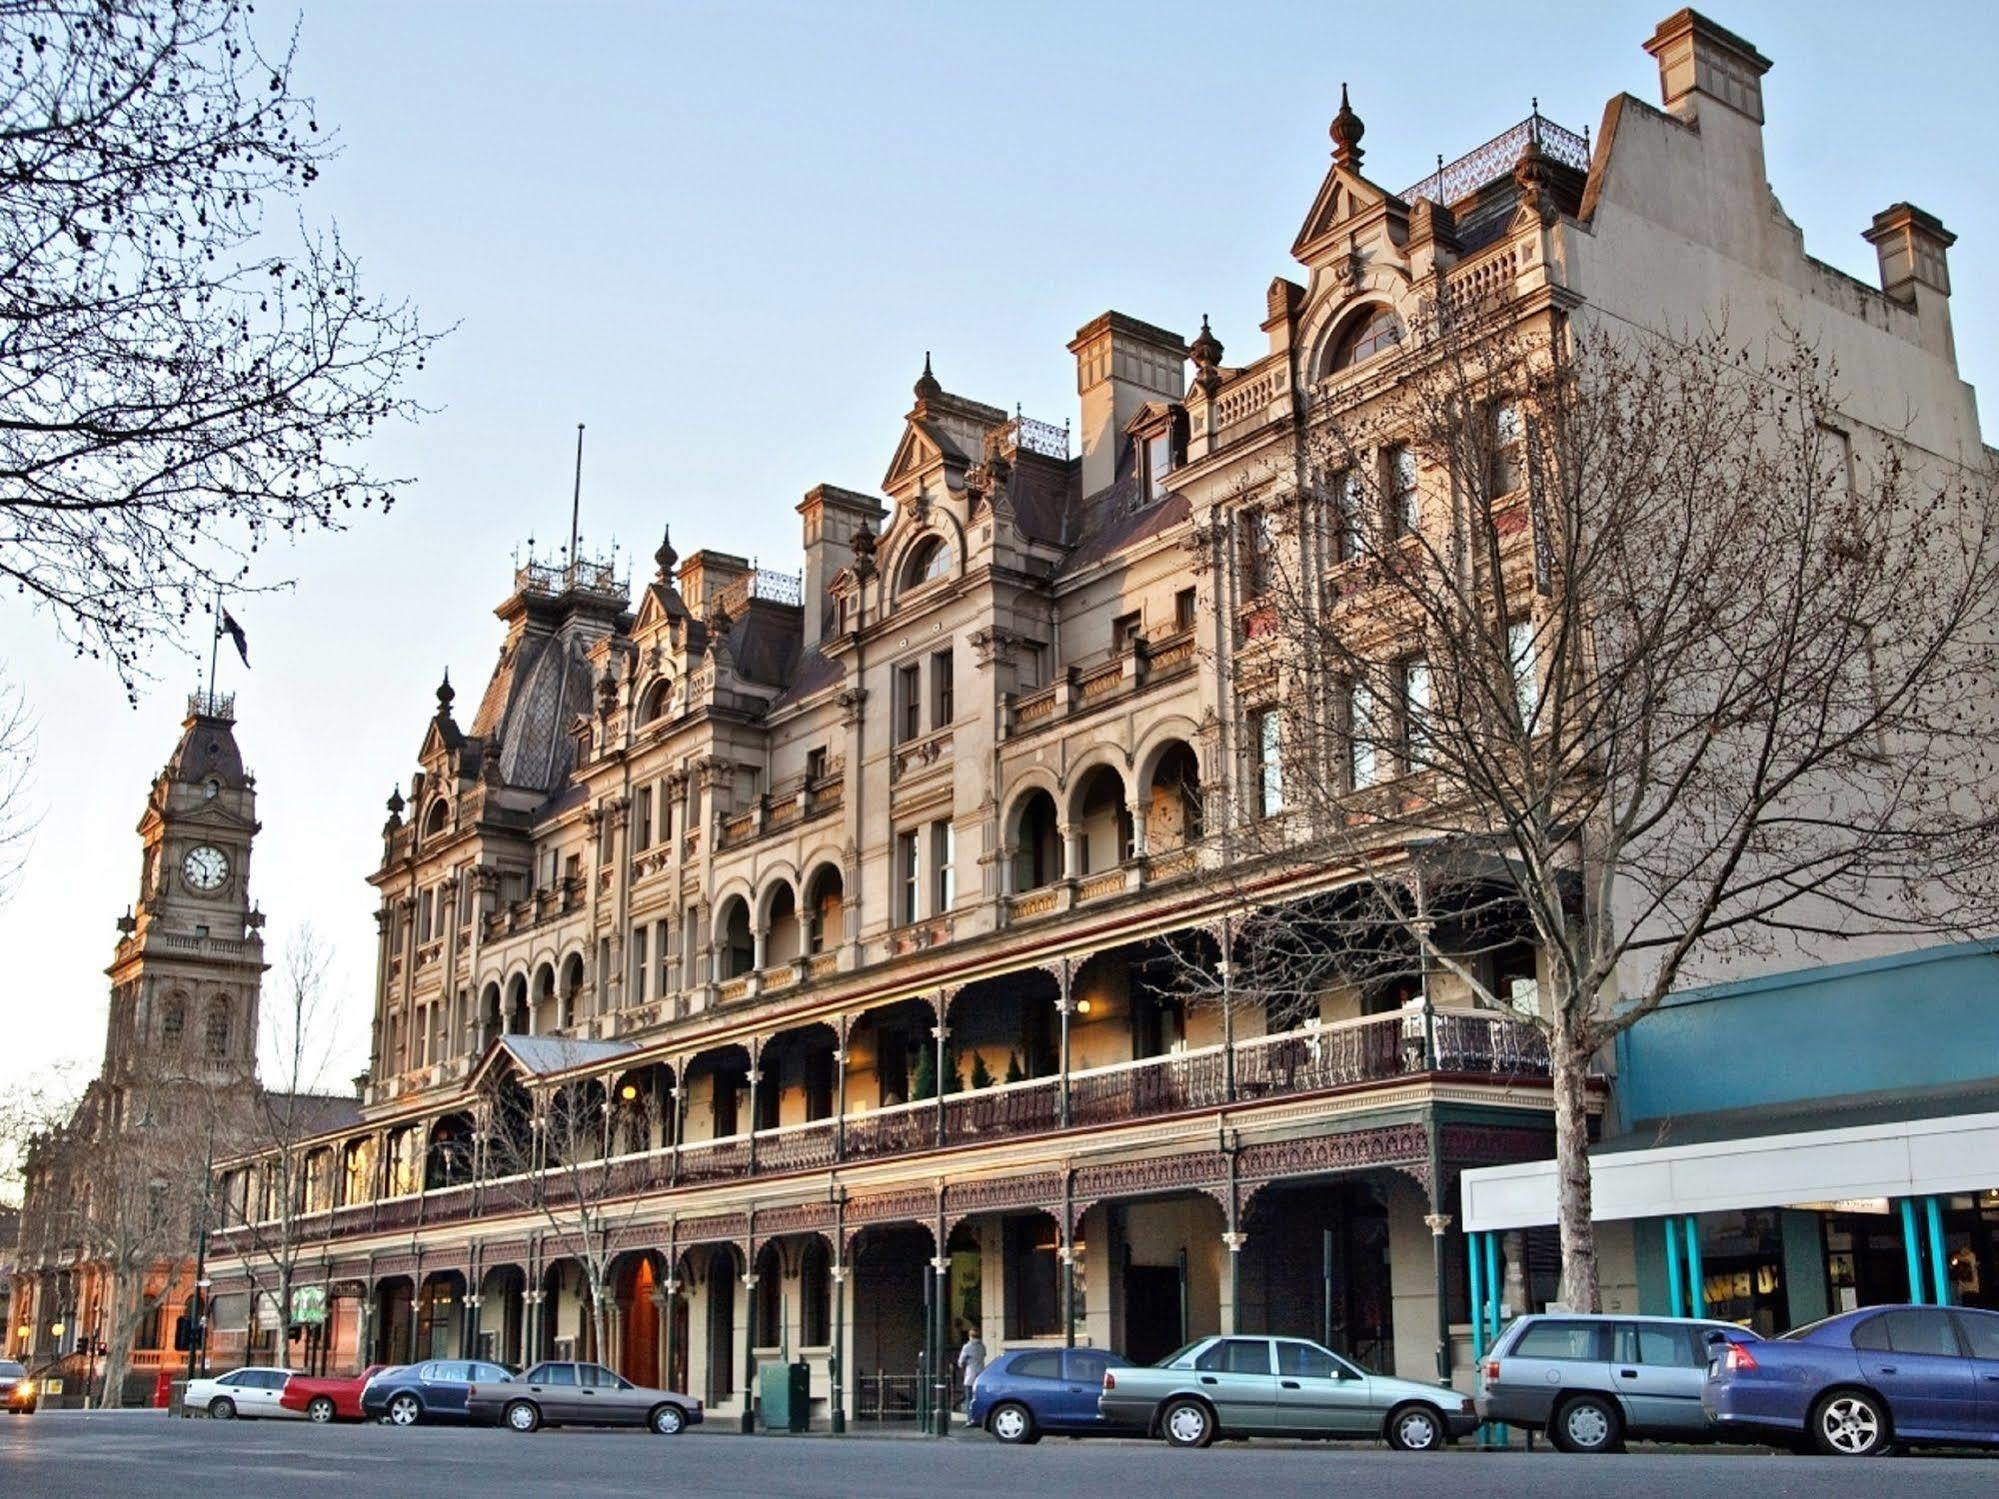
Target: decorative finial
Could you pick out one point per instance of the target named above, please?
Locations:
(1206, 352)
(926, 383)
(666, 556)
(1535, 177)
(445, 693)
(607, 691)
(1346, 132)
(396, 802)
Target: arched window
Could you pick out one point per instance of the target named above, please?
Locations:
(930, 560)
(173, 1024)
(655, 702)
(437, 818)
(218, 1029)
(1366, 334)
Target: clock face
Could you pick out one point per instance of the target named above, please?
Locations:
(205, 868)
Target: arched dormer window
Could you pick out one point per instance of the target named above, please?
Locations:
(1366, 334)
(930, 560)
(654, 704)
(437, 818)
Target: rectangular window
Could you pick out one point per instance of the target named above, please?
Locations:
(572, 866)
(909, 701)
(1257, 549)
(1836, 461)
(1405, 505)
(1158, 464)
(423, 909)
(909, 863)
(1349, 540)
(1363, 746)
(1521, 656)
(1124, 632)
(1183, 609)
(1415, 711)
(942, 707)
(641, 970)
(1268, 729)
(1503, 432)
(659, 936)
(642, 820)
(943, 872)
(815, 764)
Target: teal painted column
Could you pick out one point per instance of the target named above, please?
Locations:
(1939, 1267)
(1913, 1248)
(1696, 1283)
(1492, 1282)
(1676, 1306)
(1474, 1251)
(1648, 1257)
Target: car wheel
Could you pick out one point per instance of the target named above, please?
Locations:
(523, 1415)
(1187, 1423)
(1416, 1428)
(1850, 1423)
(222, 1408)
(668, 1420)
(405, 1410)
(1013, 1423)
(320, 1409)
(1588, 1423)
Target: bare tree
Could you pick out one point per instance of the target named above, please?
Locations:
(18, 816)
(181, 381)
(548, 1148)
(277, 1123)
(1638, 651)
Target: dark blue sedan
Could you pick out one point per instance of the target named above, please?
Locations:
(1031, 1392)
(431, 1391)
(1852, 1384)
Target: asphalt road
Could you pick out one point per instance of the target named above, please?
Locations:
(65, 1455)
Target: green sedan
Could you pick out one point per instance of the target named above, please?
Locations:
(1280, 1387)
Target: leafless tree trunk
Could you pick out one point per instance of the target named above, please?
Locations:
(1638, 651)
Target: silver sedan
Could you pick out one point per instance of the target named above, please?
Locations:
(560, 1393)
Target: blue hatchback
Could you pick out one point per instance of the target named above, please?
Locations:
(1034, 1392)
(1853, 1384)
(431, 1391)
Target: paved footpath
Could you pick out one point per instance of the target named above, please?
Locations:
(65, 1455)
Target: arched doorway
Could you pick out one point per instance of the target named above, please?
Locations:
(638, 1292)
(1036, 845)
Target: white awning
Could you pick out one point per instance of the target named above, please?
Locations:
(1907, 1158)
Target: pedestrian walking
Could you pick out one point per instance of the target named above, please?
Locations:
(971, 1359)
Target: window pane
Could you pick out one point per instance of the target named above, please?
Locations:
(1561, 1340)
(1302, 1359)
(1037, 1366)
(1362, 747)
(1237, 1356)
(1921, 1332)
(1981, 1331)
(1872, 1334)
(1520, 654)
(562, 1374)
(1658, 1345)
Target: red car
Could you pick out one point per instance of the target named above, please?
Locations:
(328, 1399)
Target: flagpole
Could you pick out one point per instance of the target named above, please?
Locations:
(576, 503)
(214, 644)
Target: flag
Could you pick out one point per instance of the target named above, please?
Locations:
(234, 631)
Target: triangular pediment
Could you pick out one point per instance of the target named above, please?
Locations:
(1346, 202)
(916, 452)
(656, 606)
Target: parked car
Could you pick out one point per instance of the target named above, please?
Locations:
(1853, 1384)
(435, 1390)
(1030, 1393)
(1592, 1381)
(325, 1399)
(559, 1393)
(250, 1393)
(17, 1391)
(1279, 1387)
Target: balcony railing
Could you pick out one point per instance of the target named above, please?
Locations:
(1372, 1051)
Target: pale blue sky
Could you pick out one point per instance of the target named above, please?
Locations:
(723, 236)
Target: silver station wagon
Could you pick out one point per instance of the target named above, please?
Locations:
(1592, 1381)
(1279, 1387)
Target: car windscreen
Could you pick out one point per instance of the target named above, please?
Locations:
(10, 1370)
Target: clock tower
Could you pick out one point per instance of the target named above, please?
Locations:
(190, 959)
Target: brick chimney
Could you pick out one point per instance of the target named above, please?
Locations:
(1121, 364)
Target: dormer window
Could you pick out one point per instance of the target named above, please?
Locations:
(930, 561)
(1366, 334)
(1158, 463)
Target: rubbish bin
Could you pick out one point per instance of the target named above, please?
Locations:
(163, 1389)
(785, 1393)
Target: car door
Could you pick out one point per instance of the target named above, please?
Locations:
(268, 1385)
(602, 1400)
(1236, 1376)
(1657, 1369)
(1980, 1331)
(1922, 1371)
(1074, 1402)
(553, 1387)
(1318, 1393)
(1035, 1379)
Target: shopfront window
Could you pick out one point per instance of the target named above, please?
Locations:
(1742, 1268)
